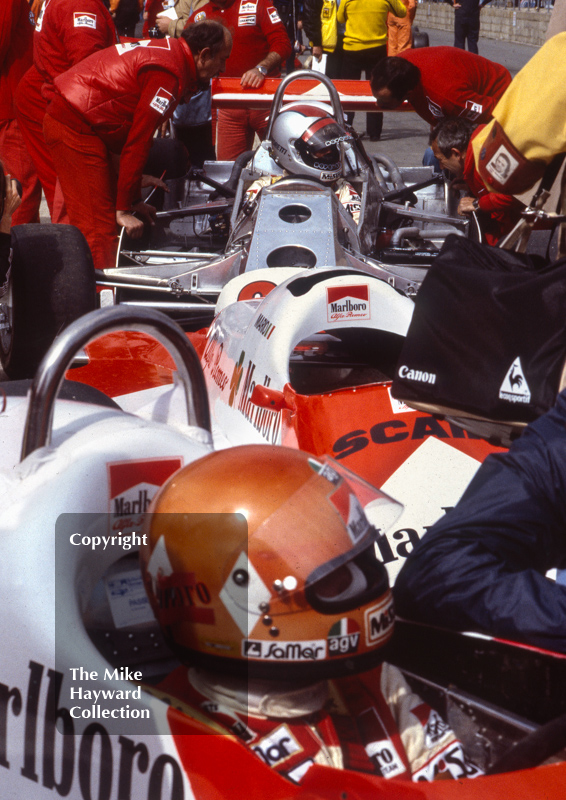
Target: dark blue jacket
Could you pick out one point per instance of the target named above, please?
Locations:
(482, 566)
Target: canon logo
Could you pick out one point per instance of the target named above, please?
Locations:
(417, 375)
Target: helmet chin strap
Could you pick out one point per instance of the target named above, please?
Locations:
(260, 698)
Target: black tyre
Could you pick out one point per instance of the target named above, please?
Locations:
(420, 38)
(51, 284)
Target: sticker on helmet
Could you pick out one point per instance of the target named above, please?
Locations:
(379, 621)
(82, 20)
(243, 593)
(358, 524)
(343, 637)
(314, 650)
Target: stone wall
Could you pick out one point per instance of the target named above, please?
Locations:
(524, 26)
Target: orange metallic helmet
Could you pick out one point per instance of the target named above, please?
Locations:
(261, 560)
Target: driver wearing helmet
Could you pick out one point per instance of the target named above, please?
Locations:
(306, 140)
(261, 570)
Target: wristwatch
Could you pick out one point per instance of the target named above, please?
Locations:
(262, 69)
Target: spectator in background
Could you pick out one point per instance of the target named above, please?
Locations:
(150, 10)
(183, 9)
(365, 44)
(451, 144)
(61, 39)
(261, 45)
(16, 55)
(313, 28)
(400, 29)
(126, 14)
(466, 23)
(291, 13)
(110, 105)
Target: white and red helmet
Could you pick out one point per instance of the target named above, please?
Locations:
(306, 140)
(261, 561)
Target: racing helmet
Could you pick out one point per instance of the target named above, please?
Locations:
(260, 560)
(305, 140)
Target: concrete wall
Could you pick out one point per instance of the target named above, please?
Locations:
(524, 26)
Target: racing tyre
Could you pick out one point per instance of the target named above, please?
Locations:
(51, 283)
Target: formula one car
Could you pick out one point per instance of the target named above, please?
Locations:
(76, 621)
(216, 234)
(209, 234)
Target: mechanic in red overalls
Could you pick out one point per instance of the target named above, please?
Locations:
(498, 213)
(65, 33)
(16, 43)
(261, 569)
(108, 107)
(440, 82)
(261, 45)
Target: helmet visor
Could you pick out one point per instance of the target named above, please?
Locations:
(319, 145)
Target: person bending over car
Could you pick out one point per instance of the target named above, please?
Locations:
(451, 142)
(111, 104)
(440, 82)
(306, 141)
(483, 566)
(284, 644)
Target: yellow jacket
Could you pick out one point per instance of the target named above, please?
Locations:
(366, 21)
(531, 112)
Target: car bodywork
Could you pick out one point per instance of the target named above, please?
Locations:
(93, 469)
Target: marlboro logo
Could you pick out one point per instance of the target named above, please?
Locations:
(81, 20)
(162, 101)
(133, 485)
(347, 302)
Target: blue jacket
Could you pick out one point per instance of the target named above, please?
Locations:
(482, 566)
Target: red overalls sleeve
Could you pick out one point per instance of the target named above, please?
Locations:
(492, 201)
(81, 41)
(274, 32)
(145, 122)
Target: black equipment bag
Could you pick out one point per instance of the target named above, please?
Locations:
(488, 334)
